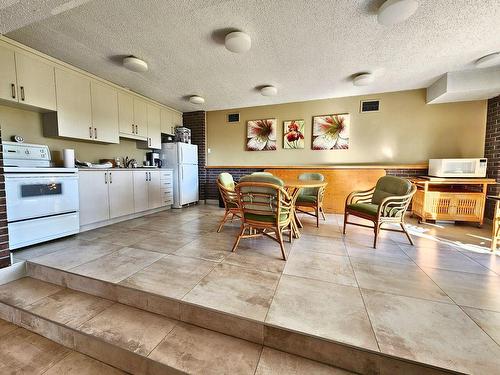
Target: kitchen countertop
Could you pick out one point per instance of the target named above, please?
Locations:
(125, 169)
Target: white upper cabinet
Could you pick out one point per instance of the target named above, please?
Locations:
(141, 117)
(74, 107)
(35, 81)
(154, 126)
(104, 112)
(126, 113)
(167, 121)
(8, 79)
(177, 119)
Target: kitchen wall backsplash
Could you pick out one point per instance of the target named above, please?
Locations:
(29, 125)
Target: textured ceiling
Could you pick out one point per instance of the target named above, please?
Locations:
(308, 49)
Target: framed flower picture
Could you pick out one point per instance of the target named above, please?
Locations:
(293, 134)
(261, 135)
(331, 132)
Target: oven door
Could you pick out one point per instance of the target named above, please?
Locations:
(36, 195)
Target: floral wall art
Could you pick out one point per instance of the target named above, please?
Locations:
(293, 134)
(261, 135)
(331, 132)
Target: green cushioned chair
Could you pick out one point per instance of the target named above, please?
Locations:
(266, 209)
(311, 198)
(226, 185)
(387, 202)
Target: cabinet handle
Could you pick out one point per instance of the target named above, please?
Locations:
(105, 177)
(149, 142)
(90, 132)
(13, 90)
(22, 93)
(95, 133)
(133, 129)
(110, 179)
(146, 173)
(136, 129)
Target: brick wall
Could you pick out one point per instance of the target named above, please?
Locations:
(4, 234)
(492, 149)
(196, 121)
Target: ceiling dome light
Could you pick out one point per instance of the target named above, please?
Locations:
(488, 61)
(396, 11)
(238, 42)
(363, 79)
(134, 64)
(195, 99)
(269, 91)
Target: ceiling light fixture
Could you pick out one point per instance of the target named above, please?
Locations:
(135, 64)
(196, 99)
(362, 79)
(269, 91)
(396, 11)
(488, 61)
(238, 42)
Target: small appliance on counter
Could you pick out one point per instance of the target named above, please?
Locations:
(153, 159)
(42, 200)
(457, 168)
(182, 134)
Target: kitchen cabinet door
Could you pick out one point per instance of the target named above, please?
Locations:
(74, 108)
(121, 193)
(141, 117)
(154, 126)
(154, 190)
(94, 198)
(177, 119)
(166, 121)
(104, 112)
(126, 113)
(141, 191)
(8, 81)
(35, 81)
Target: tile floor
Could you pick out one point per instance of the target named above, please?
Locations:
(436, 302)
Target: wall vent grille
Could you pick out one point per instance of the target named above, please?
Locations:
(233, 117)
(370, 106)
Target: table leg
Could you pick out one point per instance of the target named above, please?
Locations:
(296, 224)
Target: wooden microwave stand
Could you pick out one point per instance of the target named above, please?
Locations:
(455, 199)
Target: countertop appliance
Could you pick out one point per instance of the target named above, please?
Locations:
(153, 158)
(182, 134)
(42, 200)
(456, 168)
(183, 159)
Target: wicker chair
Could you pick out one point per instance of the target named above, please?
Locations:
(387, 202)
(226, 186)
(311, 197)
(266, 209)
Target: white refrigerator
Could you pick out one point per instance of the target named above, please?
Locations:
(183, 159)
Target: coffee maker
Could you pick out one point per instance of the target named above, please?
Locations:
(153, 158)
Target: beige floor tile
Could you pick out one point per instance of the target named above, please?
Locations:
(126, 237)
(164, 242)
(6, 327)
(25, 291)
(489, 321)
(79, 364)
(384, 253)
(320, 266)
(490, 261)
(328, 245)
(45, 248)
(260, 256)
(69, 307)
(236, 290)
(431, 332)
(76, 253)
(95, 234)
(118, 265)
(275, 362)
(468, 289)
(404, 279)
(172, 276)
(24, 352)
(445, 258)
(129, 328)
(322, 309)
(209, 247)
(196, 350)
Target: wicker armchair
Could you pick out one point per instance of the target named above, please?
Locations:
(266, 209)
(387, 202)
(226, 185)
(311, 198)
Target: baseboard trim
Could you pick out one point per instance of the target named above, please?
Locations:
(13, 272)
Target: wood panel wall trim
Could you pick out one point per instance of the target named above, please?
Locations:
(397, 166)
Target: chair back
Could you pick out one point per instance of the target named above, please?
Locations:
(310, 176)
(226, 185)
(261, 174)
(390, 186)
(263, 199)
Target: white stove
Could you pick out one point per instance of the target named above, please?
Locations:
(42, 200)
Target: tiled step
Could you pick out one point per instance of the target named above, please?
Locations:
(137, 341)
(339, 354)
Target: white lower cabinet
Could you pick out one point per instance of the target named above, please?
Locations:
(154, 195)
(94, 196)
(121, 193)
(141, 201)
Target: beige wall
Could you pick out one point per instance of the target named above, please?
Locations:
(405, 131)
(29, 125)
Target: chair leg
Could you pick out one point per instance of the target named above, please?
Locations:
(376, 229)
(223, 221)
(403, 226)
(290, 232)
(322, 213)
(316, 209)
(346, 215)
(242, 230)
(280, 240)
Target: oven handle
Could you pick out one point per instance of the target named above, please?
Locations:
(60, 176)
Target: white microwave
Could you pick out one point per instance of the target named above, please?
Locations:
(458, 167)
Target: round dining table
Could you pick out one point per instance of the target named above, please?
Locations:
(293, 187)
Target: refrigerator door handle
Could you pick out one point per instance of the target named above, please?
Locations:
(182, 173)
(182, 155)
